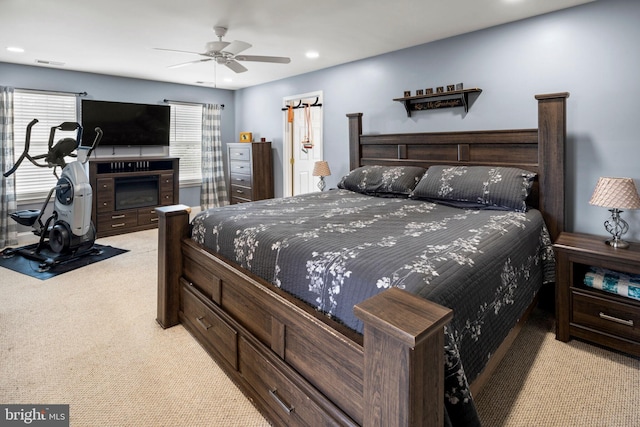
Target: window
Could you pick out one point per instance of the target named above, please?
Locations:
(186, 141)
(34, 183)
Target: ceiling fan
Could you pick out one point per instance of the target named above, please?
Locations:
(227, 53)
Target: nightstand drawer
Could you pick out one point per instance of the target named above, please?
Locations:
(605, 315)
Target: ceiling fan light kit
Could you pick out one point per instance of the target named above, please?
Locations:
(226, 53)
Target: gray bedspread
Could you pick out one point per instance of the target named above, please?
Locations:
(337, 248)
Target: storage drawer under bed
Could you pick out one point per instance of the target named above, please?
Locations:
(280, 393)
(217, 335)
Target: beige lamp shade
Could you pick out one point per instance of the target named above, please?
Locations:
(618, 193)
(321, 168)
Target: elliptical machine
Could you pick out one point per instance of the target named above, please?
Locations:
(68, 233)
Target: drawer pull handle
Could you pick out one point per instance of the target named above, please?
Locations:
(204, 325)
(154, 219)
(274, 394)
(117, 216)
(117, 225)
(239, 191)
(616, 319)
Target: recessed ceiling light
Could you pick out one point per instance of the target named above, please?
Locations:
(312, 54)
(15, 49)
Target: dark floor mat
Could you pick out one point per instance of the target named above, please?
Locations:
(33, 268)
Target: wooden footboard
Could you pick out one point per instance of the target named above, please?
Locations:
(296, 365)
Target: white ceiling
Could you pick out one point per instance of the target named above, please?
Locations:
(118, 37)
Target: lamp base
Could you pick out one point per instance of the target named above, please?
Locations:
(617, 243)
(617, 227)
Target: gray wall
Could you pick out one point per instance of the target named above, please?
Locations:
(590, 51)
(111, 88)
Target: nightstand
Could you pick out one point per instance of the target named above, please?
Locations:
(601, 317)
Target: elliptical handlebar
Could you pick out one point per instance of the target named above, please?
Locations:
(83, 157)
(56, 154)
(25, 153)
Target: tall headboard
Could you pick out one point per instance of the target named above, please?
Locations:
(540, 150)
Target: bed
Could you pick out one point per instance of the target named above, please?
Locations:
(328, 352)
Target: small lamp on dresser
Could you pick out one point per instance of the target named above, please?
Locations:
(321, 169)
(616, 194)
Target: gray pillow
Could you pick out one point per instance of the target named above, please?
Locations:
(384, 181)
(483, 187)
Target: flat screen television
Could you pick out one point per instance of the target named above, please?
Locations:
(126, 124)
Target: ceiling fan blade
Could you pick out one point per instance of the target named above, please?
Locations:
(235, 66)
(179, 51)
(274, 59)
(235, 47)
(189, 63)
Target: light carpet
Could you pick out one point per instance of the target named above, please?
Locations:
(89, 339)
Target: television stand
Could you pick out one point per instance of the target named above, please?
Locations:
(126, 191)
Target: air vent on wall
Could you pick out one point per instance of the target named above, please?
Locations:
(44, 62)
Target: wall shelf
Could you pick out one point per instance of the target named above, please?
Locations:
(432, 101)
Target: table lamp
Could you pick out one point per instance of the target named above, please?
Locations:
(321, 169)
(616, 194)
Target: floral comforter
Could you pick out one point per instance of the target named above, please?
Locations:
(337, 248)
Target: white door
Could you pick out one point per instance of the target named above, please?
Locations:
(303, 145)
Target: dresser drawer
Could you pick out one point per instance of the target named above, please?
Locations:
(605, 315)
(240, 192)
(240, 167)
(118, 219)
(104, 195)
(218, 336)
(147, 216)
(166, 198)
(279, 392)
(240, 153)
(243, 179)
(166, 182)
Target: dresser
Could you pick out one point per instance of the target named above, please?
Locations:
(250, 171)
(591, 314)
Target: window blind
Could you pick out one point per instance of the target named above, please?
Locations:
(185, 141)
(51, 109)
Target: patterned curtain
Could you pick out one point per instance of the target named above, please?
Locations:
(213, 191)
(8, 204)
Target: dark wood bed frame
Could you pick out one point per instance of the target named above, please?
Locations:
(301, 368)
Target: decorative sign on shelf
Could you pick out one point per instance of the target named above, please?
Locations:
(432, 105)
